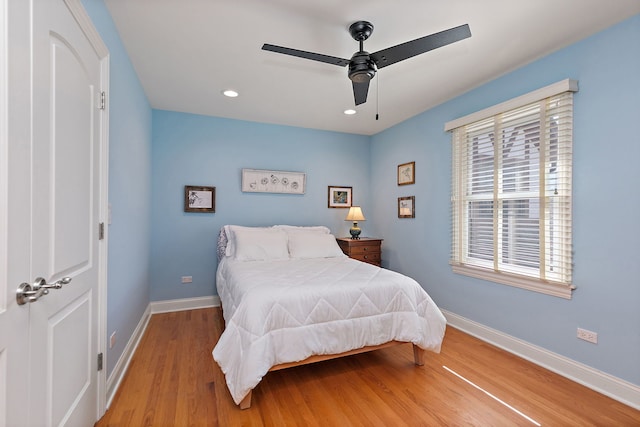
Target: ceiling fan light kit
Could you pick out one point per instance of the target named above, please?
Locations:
(363, 66)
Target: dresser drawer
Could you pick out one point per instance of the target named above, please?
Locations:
(366, 249)
(371, 258)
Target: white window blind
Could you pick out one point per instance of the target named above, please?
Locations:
(511, 196)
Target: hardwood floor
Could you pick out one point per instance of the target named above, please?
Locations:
(173, 381)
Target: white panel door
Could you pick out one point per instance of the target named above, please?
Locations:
(53, 220)
(15, 146)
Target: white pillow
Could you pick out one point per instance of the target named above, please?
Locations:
(303, 229)
(314, 245)
(230, 250)
(260, 245)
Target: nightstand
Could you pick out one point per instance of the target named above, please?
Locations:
(366, 249)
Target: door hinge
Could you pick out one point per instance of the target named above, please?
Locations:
(103, 100)
(100, 358)
(101, 231)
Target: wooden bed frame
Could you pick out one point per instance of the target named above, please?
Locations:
(418, 358)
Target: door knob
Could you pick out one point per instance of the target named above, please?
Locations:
(31, 292)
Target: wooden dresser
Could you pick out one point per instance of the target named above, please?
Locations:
(366, 249)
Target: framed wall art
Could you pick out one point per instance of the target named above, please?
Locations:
(407, 173)
(340, 197)
(199, 199)
(266, 181)
(406, 207)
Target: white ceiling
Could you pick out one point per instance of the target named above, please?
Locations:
(186, 52)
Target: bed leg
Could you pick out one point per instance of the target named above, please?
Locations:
(246, 402)
(418, 355)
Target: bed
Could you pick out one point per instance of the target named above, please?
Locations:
(290, 296)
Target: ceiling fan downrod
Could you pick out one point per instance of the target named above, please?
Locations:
(361, 67)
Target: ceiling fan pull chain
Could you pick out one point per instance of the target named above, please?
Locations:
(377, 95)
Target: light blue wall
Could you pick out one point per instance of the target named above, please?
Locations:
(208, 151)
(129, 189)
(606, 204)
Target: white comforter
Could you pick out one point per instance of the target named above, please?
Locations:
(285, 311)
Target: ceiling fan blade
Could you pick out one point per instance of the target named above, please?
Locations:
(306, 55)
(360, 91)
(415, 47)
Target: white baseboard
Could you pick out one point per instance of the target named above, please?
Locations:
(117, 375)
(184, 304)
(611, 386)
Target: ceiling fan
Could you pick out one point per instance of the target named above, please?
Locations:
(363, 65)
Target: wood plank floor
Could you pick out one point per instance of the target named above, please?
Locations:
(173, 381)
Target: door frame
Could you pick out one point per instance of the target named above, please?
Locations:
(84, 21)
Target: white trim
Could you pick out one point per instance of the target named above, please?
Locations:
(184, 304)
(85, 23)
(515, 280)
(104, 246)
(120, 369)
(567, 85)
(599, 381)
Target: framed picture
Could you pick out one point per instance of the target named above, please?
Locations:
(406, 207)
(199, 199)
(340, 197)
(407, 173)
(266, 181)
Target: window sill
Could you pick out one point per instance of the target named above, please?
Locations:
(523, 282)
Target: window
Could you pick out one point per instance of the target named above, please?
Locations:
(511, 191)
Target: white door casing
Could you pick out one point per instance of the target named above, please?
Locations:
(55, 193)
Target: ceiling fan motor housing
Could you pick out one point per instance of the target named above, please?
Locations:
(361, 67)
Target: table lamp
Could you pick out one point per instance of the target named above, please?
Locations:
(355, 215)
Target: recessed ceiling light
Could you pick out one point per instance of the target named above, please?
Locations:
(349, 112)
(230, 93)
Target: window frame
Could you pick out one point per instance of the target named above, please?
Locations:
(492, 270)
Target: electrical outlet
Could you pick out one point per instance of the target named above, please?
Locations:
(586, 335)
(187, 279)
(112, 339)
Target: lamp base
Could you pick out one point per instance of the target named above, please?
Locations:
(355, 231)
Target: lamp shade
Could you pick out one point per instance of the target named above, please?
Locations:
(355, 214)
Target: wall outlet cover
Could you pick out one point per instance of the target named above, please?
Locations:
(589, 336)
